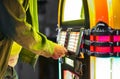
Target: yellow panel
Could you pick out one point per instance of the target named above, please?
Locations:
(114, 13)
(92, 67)
(91, 8)
(59, 10)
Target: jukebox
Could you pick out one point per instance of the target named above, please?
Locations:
(90, 30)
(72, 20)
(104, 39)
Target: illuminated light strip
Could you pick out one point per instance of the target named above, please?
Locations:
(103, 38)
(91, 37)
(102, 49)
(60, 69)
(116, 49)
(116, 38)
(105, 49)
(92, 48)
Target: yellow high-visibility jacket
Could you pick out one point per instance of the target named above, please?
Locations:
(19, 34)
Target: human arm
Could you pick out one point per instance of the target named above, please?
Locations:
(14, 25)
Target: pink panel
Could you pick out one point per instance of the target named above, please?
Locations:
(116, 38)
(103, 38)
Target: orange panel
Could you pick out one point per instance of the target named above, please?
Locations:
(98, 11)
(101, 10)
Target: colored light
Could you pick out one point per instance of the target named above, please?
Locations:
(114, 14)
(116, 38)
(101, 10)
(102, 49)
(103, 38)
(116, 48)
(91, 37)
(91, 48)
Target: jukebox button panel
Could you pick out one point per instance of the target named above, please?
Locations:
(73, 42)
(62, 38)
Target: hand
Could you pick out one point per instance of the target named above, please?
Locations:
(59, 51)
